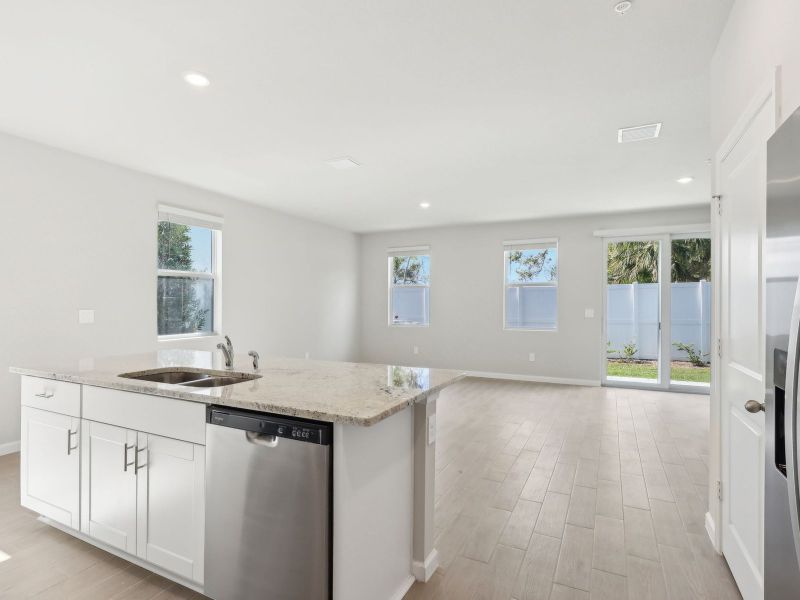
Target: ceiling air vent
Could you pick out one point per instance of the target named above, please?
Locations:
(639, 133)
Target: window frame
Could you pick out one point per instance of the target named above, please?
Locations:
(510, 245)
(406, 251)
(214, 223)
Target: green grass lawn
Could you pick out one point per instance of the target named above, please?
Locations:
(649, 370)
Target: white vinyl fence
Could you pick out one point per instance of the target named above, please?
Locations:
(633, 317)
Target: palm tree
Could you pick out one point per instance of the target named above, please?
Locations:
(691, 259)
(633, 262)
(630, 262)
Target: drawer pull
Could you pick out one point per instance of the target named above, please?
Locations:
(125, 462)
(45, 395)
(137, 466)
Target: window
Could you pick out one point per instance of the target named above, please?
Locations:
(409, 287)
(531, 285)
(188, 291)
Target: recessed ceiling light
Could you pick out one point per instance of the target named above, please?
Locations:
(196, 79)
(685, 180)
(424, 204)
(639, 133)
(342, 163)
(623, 7)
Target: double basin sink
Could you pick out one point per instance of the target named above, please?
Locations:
(192, 378)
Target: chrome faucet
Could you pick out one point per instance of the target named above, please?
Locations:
(255, 356)
(227, 351)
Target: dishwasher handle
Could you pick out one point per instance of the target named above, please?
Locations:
(261, 439)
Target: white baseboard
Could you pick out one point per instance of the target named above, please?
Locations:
(536, 378)
(424, 571)
(9, 448)
(403, 589)
(711, 530)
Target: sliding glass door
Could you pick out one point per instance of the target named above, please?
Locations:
(633, 311)
(658, 312)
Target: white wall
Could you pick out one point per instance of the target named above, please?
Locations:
(80, 233)
(466, 330)
(758, 36)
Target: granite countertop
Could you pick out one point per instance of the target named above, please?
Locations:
(338, 392)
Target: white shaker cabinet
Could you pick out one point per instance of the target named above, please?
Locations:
(49, 465)
(171, 504)
(108, 488)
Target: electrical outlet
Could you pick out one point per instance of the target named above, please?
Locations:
(85, 316)
(532, 357)
(588, 313)
(416, 349)
(308, 355)
(85, 364)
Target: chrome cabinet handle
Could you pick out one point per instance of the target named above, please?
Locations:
(137, 466)
(754, 406)
(70, 433)
(125, 462)
(45, 395)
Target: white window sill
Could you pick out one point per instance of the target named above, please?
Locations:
(188, 336)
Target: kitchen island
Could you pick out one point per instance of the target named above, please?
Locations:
(78, 418)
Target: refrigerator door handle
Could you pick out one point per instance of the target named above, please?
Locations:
(790, 422)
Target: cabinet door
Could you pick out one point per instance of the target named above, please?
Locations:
(171, 505)
(108, 485)
(49, 465)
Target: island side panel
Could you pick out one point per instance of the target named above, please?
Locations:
(425, 557)
(373, 509)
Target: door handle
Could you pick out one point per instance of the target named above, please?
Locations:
(754, 406)
(261, 439)
(125, 462)
(70, 433)
(136, 465)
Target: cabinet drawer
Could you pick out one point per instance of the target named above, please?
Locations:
(178, 419)
(56, 396)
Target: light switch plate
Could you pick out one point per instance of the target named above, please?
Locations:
(416, 349)
(532, 357)
(589, 313)
(85, 316)
(431, 430)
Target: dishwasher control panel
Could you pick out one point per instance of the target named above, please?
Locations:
(302, 431)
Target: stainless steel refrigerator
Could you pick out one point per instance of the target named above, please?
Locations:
(782, 270)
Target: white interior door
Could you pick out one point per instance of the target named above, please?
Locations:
(741, 184)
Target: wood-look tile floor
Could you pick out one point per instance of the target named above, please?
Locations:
(561, 492)
(543, 492)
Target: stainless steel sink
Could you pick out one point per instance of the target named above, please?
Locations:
(219, 381)
(177, 376)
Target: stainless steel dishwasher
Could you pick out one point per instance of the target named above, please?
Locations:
(268, 507)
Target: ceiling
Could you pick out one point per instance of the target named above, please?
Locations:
(488, 110)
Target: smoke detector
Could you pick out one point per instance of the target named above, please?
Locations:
(639, 133)
(622, 7)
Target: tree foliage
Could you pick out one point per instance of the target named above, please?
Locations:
(637, 262)
(179, 309)
(408, 270)
(529, 265)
